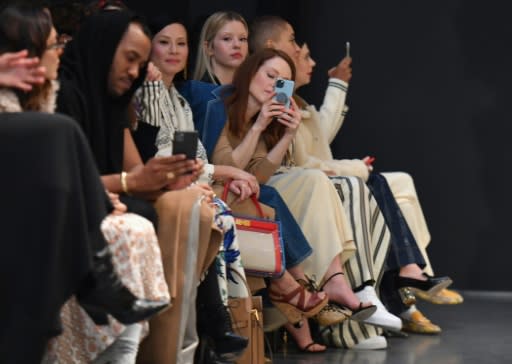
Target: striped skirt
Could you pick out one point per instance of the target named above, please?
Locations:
(372, 240)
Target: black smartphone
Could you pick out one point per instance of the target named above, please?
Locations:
(185, 142)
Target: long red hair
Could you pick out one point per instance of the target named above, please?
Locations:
(236, 103)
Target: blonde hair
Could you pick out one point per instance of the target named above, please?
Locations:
(211, 27)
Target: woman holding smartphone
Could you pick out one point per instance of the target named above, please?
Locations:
(131, 242)
(369, 229)
(162, 111)
(259, 137)
(404, 216)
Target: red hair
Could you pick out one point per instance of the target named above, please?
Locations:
(236, 103)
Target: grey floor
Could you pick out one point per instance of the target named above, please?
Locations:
(477, 332)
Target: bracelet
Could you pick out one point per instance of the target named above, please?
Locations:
(124, 185)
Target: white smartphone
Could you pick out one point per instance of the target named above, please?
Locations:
(347, 49)
(284, 91)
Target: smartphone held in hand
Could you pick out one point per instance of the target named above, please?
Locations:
(284, 91)
(185, 142)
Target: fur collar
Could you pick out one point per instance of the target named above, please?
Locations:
(9, 101)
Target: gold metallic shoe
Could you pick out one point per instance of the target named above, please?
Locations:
(408, 298)
(419, 324)
(443, 297)
(332, 314)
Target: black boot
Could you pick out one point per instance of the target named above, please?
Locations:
(214, 321)
(104, 293)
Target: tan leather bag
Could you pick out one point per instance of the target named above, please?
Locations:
(247, 320)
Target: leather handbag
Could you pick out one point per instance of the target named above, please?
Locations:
(247, 320)
(260, 242)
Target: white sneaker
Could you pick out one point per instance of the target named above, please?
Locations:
(382, 317)
(372, 343)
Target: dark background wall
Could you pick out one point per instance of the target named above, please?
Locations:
(429, 96)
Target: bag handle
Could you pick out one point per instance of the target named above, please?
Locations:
(254, 199)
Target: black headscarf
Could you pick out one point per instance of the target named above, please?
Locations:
(84, 91)
(158, 22)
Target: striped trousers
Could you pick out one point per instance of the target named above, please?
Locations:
(372, 240)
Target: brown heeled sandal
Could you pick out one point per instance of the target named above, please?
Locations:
(331, 314)
(295, 313)
(359, 314)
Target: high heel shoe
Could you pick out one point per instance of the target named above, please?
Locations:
(408, 298)
(329, 315)
(303, 309)
(306, 348)
(431, 286)
(103, 293)
(361, 313)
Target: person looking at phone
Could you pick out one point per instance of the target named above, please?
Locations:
(208, 106)
(258, 136)
(164, 120)
(161, 112)
(97, 85)
(320, 127)
(397, 187)
(128, 235)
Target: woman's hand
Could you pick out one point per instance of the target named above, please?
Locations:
(16, 70)
(119, 207)
(233, 173)
(269, 110)
(242, 189)
(249, 181)
(368, 161)
(291, 118)
(343, 71)
(153, 73)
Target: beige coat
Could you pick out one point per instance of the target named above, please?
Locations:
(311, 198)
(319, 128)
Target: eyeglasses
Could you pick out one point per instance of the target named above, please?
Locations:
(61, 42)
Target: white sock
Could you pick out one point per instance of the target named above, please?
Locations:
(124, 349)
